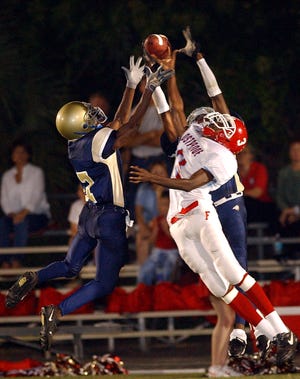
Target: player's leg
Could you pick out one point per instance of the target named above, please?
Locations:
(111, 253)
(220, 338)
(69, 267)
(186, 235)
(78, 253)
(271, 325)
(233, 218)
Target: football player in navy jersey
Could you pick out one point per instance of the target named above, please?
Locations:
(93, 150)
(229, 204)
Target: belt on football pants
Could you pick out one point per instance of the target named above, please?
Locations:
(183, 212)
(227, 198)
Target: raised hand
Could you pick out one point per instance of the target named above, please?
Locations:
(135, 72)
(192, 47)
(155, 79)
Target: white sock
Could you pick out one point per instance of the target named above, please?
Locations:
(265, 327)
(277, 322)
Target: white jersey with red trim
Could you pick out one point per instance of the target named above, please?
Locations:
(193, 219)
(193, 153)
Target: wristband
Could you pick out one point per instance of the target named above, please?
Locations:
(160, 101)
(131, 84)
(209, 78)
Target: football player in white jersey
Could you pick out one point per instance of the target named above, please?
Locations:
(195, 225)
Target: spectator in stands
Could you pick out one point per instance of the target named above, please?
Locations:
(254, 176)
(288, 197)
(23, 201)
(74, 212)
(161, 263)
(145, 148)
(146, 209)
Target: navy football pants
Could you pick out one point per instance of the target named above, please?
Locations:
(103, 228)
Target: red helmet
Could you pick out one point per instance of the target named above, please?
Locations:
(227, 130)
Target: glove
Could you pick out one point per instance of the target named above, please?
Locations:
(155, 79)
(191, 48)
(135, 72)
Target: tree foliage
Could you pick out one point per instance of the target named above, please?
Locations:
(54, 51)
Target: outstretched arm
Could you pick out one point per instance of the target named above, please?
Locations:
(175, 100)
(198, 179)
(133, 75)
(192, 49)
(128, 131)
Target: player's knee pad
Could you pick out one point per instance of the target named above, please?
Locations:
(217, 285)
(247, 282)
(230, 296)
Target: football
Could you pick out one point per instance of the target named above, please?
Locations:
(157, 45)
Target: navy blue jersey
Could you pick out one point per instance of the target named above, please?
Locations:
(102, 222)
(98, 166)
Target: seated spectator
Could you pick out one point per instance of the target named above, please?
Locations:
(254, 177)
(146, 210)
(161, 264)
(288, 197)
(23, 202)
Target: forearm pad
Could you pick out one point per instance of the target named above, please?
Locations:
(209, 78)
(160, 101)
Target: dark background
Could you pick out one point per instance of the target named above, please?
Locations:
(52, 52)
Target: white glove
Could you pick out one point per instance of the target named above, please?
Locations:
(191, 48)
(155, 79)
(135, 72)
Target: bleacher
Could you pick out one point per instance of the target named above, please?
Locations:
(112, 326)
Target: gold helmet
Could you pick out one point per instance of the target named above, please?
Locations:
(77, 118)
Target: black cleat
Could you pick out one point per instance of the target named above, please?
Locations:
(20, 289)
(49, 320)
(286, 348)
(264, 346)
(237, 343)
(237, 347)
